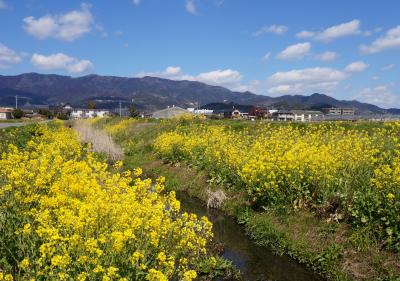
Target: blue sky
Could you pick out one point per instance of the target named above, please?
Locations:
(346, 49)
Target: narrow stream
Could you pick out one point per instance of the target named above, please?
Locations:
(253, 261)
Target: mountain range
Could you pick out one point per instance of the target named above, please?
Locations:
(151, 93)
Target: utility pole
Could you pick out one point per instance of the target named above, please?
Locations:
(16, 102)
(120, 109)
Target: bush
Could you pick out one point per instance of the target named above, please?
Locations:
(18, 113)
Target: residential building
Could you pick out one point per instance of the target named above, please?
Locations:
(169, 112)
(339, 111)
(258, 113)
(5, 113)
(306, 115)
(283, 115)
(200, 111)
(88, 113)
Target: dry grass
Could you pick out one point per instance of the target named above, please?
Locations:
(215, 199)
(100, 141)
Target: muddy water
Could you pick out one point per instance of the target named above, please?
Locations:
(253, 261)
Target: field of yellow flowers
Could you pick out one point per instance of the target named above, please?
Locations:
(346, 172)
(64, 215)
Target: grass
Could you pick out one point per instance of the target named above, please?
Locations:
(335, 250)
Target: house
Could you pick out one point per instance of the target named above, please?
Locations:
(200, 111)
(339, 111)
(258, 113)
(88, 113)
(283, 115)
(5, 113)
(306, 115)
(169, 112)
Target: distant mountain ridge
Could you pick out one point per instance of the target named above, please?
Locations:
(151, 93)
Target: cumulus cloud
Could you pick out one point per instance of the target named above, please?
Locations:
(266, 57)
(61, 61)
(391, 40)
(226, 78)
(297, 51)
(388, 67)
(308, 80)
(372, 31)
(334, 32)
(191, 7)
(276, 29)
(300, 81)
(8, 56)
(380, 95)
(305, 34)
(68, 27)
(357, 66)
(341, 30)
(327, 56)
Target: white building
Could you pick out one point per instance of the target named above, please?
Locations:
(170, 112)
(283, 115)
(306, 115)
(200, 111)
(88, 113)
(5, 113)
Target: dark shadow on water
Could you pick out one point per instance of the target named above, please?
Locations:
(254, 262)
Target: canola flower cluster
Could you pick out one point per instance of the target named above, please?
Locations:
(66, 216)
(118, 127)
(353, 170)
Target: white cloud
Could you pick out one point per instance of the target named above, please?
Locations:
(61, 61)
(136, 2)
(333, 32)
(191, 7)
(302, 81)
(101, 30)
(357, 66)
(266, 57)
(380, 95)
(226, 78)
(8, 56)
(276, 29)
(305, 34)
(3, 4)
(391, 40)
(297, 51)
(327, 56)
(375, 77)
(68, 27)
(370, 32)
(341, 30)
(388, 67)
(308, 80)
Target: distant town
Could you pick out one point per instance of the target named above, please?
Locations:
(65, 111)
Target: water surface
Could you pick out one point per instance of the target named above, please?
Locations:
(254, 262)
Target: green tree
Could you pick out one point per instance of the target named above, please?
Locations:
(91, 105)
(62, 116)
(46, 113)
(133, 112)
(17, 113)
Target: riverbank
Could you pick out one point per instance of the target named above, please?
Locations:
(335, 250)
